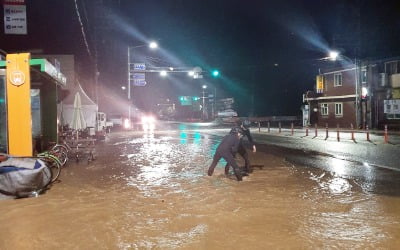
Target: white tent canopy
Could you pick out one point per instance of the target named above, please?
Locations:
(78, 120)
(88, 108)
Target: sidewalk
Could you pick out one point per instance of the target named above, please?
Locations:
(356, 136)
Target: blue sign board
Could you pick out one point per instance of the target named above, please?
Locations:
(139, 82)
(139, 79)
(139, 66)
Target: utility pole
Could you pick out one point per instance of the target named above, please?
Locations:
(204, 106)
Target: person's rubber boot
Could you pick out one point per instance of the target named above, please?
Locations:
(248, 169)
(227, 170)
(239, 177)
(210, 171)
(238, 174)
(244, 173)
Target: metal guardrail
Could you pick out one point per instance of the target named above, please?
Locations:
(264, 119)
(314, 132)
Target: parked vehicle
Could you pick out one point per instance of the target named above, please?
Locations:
(102, 123)
(102, 126)
(117, 120)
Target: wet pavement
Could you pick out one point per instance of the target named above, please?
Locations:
(151, 191)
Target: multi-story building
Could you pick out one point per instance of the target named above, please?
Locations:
(360, 94)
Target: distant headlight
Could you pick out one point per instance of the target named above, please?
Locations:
(148, 120)
(148, 123)
(127, 123)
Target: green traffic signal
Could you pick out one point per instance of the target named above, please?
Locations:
(215, 73)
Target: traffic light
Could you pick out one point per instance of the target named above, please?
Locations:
(215, 73)
(185, 100)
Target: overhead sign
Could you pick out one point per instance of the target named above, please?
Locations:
(15, 17)
(139, 79)
(139, 67)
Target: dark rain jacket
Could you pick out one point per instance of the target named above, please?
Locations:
(246, 132)
(229, 144)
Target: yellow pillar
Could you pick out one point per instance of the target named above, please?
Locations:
(18, 98)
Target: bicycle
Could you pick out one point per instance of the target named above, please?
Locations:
(61, 152)
(53, 163)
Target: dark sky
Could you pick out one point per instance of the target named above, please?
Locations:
(266, 51)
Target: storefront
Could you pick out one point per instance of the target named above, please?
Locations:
(28, 104)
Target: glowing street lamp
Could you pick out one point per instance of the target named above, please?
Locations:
(163, 73)
(333, 55)
(152, 45)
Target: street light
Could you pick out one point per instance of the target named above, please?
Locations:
(333, 56)
(163, 73)
(204, 89)
(152, 45)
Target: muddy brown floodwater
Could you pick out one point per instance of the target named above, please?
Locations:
(151, 192)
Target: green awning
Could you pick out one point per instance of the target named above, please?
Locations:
(46, 67)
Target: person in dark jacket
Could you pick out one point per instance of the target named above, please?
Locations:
(227, 149)
(245, 128)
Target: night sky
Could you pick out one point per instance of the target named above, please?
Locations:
(267, 51)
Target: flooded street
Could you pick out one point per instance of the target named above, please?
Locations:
(151, 191)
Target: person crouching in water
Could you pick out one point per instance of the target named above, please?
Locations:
(227, 149)
(245, 128)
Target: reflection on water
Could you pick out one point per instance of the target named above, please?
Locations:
(149, 191)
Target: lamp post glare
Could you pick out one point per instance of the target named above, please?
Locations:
(163, 73)
(153, 45)
(333, 55)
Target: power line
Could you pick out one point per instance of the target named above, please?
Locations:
(82, 29)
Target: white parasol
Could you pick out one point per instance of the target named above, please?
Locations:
(78, 120)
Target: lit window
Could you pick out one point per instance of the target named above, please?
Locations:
(324, 108)
(338, 109)
(337, 79)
